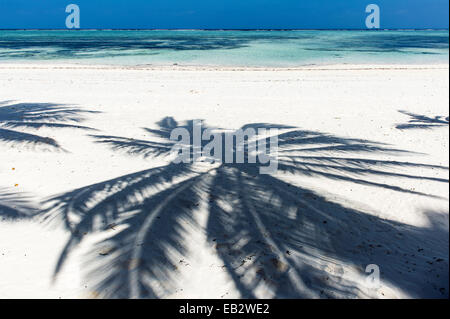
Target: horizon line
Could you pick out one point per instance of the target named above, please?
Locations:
(223, 29)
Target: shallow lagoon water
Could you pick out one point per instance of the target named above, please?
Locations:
(225, 48)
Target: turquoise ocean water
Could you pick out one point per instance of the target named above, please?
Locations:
(225, 48)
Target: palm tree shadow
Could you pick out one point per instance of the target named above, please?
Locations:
(267, 232)
(422, 122)
(285, 236)
(15, 206)
(16, 116)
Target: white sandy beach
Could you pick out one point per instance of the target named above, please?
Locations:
(376, 192)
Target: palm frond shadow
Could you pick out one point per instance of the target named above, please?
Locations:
(16, 116)
(265, 230)
(15, 206)
(418, 121)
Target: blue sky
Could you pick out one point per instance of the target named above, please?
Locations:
(230, 14)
